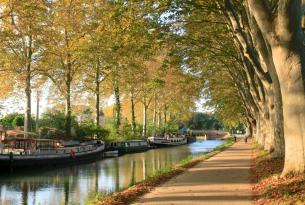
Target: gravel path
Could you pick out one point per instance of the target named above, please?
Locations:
(222, 179)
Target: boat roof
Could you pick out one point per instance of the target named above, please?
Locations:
(18, 139)
(19, 132)
(28, 139)
(135, 141)
(130, 141)
(45, 140)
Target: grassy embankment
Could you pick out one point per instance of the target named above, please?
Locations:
(133, 192)
(270, 187)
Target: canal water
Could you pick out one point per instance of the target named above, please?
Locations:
(76, 184)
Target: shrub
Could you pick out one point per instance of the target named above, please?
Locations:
(52, 123)
(18, 121)
(90, 130)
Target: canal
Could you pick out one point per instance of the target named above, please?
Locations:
(75, 184)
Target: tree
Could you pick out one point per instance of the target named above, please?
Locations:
(270, 89)
(66, 30)
(23, 43)
(283, 34)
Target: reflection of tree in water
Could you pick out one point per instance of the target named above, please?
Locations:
(96, 176)
(117, 175)
(133, 173)
(144, 168)
(25, 193)
(108, 166)
(66, 191)
(71, 181)
(62, 178)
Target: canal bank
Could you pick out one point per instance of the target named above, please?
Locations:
(127, 196)
(221, 179)
(76, 184)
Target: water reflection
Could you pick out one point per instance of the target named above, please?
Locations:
(73, 185)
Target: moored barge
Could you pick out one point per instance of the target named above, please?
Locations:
(130, 146)
(167, 141)
(19, 152)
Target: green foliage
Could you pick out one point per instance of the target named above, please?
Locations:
(170, 127)
(90, 130)
(204, 121)
(7, 121)
(18, 121)
(54, 121)
(13, 120)
(124, 132)
(239, 127)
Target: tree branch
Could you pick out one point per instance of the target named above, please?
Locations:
(264, 18)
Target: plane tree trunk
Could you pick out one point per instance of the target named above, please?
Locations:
(285, 37)
(257, 56)
(117, 105)
(27, 120)
(133, 113)
(68, 101)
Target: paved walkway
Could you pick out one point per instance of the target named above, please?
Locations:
(222, 179)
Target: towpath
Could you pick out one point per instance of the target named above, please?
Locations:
(222, 179)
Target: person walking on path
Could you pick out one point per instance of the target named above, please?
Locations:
(222, 179)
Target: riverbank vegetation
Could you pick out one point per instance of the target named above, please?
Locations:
(136, 190)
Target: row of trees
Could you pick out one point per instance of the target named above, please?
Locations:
(250, 55)
(246, 55)
(85, 51)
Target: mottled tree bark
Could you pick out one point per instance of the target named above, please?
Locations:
(285, 36)
(145, 107)
(27, 119)
(155, 113)
(97, 94)
(68, 101)
(117, 105)
(133, 114)
(28, 89)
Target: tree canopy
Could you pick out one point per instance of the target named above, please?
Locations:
(152, 60)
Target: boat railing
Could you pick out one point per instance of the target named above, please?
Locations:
(67, 150)
(52, 151)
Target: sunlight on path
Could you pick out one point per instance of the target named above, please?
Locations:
(222, 179)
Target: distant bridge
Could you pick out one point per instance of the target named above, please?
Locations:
(211, 134)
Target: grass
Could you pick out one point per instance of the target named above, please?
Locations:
(270, 187)
(133, 192)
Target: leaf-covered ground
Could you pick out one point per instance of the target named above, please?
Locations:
(270, 187)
